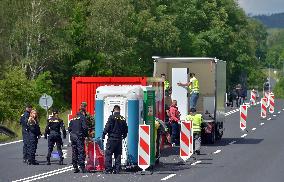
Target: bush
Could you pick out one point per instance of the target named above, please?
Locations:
(279, 88)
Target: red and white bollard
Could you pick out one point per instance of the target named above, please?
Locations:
(263, 112)
(253, 98)
(267, 96)
(243, 116)
(186, 140)
(144, 147)
(272, 103)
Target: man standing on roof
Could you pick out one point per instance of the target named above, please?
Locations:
(193, 87)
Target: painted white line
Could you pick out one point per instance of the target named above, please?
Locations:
(168, 177)
(238, 109)
(274, 115)
(269, 119)
(197, 162)
(52, 174)
(261, 124)
(283, 109)
(279, 112)
(43, 174)
(3, 144)
(231, 143)
(244, 135)
(253, 129)
(216, 152)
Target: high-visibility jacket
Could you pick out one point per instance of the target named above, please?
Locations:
(194, 86)
(196, 121)
(167, 85)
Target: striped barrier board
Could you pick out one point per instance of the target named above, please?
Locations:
(243, 116)
(272, 103)
(263, 112)
(186, 140)
(144, 147)
(267, 96)
(253, 98)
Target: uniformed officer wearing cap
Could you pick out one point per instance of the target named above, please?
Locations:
(89, 119)
(54, 124)
(78, 132)
(23, 122)
(116, 128)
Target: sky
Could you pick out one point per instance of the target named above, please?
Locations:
(257, 7)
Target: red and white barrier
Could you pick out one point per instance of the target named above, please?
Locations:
(243, 116)
(263, 112)
(186, 140)
(267, 96)
(253, 98)
(272, 103)
(144, 147)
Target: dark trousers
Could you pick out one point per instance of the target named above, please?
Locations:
(25, 135)
(113, 147)
(52, 140)
(175, 133)
(78, 151)
(32, 146)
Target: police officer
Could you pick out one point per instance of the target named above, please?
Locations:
(54, 124)
(78, 131)
(89, 119)
(117, 130)
(23, 122)
(196, 127)
(33, 135)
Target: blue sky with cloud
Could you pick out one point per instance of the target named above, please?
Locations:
(256, 7)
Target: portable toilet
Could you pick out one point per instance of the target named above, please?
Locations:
(130, 100)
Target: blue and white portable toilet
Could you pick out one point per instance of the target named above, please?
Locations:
(130, 100)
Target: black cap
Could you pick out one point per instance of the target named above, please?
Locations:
(116, 107)
(193, 110)
(55, 111)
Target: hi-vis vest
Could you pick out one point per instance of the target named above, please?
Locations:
(196, 122)
(194, 86)
(167, 85)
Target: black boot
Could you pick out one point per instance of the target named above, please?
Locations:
(61, 161)
(48, 160)
(83, 170)
(76, 170)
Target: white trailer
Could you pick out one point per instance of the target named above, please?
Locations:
(211, 73)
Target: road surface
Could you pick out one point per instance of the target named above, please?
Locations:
(254, 155)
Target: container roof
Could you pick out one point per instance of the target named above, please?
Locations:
(182, 59)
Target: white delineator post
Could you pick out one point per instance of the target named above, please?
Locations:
(144, 147)
(272, 103)
(263, 112)
(243, 116)
(186, 140)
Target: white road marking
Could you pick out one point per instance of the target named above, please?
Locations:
(3, 144)
(274, 115)
(231, 143)
(261, 124)
(253, 129)
(216, 152)
(279, 112)
(52, 174)
(197, 162)
(168, 177)
(283, 109)
(244, 135)
(44, 174)
(238, 109)
(269, 119)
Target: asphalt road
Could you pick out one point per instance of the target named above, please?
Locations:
(253, 155)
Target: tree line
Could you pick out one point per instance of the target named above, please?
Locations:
(45, 43)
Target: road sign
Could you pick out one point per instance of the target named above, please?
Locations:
(186, 140)
(272, 103)
(243, 116)
(45, 101)
(263, 112)
(144, 147)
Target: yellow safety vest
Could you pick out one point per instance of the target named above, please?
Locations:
(196, 122)
(194, 86)
(167, 85)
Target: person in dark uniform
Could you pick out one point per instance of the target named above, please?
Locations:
(54, 124)
(117, 129)
(33, 135)
(89, 119)
(23, 122)
(78, 132)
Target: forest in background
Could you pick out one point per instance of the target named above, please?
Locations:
(45, 43)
